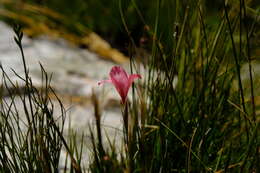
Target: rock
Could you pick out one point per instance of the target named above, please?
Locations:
(75, 73)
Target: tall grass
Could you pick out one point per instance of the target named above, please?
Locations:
(31, 136)
(205, 123)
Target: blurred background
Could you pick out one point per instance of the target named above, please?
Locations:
(115, 21)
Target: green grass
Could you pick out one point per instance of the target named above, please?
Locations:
(31, 138)
(203, 124)
(208, 122)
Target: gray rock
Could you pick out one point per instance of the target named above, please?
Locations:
(75, 72)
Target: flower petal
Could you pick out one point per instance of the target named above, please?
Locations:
(132, 77)
(104, 81)
(118, 73)
(119, 78)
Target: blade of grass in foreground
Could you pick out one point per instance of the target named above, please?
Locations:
(193, 153)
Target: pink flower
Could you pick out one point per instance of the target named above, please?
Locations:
(121, 80)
